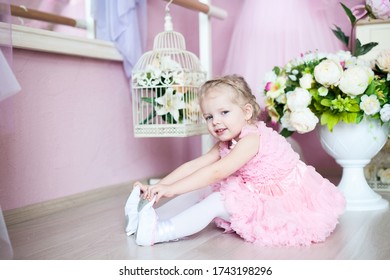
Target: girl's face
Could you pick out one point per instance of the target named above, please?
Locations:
(225, 118)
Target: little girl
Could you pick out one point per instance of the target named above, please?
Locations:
(260, 188)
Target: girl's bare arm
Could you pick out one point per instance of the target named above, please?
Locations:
(187, 168)
(244, 151)
(191, 166)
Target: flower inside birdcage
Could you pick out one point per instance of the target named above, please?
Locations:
(173, 105)
(170, 100)
(170, 104)
(161, 71)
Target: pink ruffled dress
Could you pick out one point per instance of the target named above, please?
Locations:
(276, 199)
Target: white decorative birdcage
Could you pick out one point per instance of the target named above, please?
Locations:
(165, 88)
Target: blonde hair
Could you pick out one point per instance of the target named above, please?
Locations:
(240, 87)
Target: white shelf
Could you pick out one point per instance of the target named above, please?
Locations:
(374, 31)
(29, 38)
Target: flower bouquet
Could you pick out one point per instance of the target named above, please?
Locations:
(329, 88)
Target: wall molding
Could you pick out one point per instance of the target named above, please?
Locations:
(28, 38)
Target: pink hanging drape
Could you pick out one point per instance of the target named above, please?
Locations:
(271, 33)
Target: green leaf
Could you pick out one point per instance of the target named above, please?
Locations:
(276, 69)
(326, 102)
(151, 116)
(353, 107)
(286, 133)
(341, 35)
(363, 49)
(329, 119)
(160, 91)
(359, 117)
(349, 13)
(348, 117)
(356, 47)
(168, 118)
(148, 99)
(371, 88)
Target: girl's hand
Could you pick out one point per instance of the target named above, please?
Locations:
(157, 190)
(144, 189)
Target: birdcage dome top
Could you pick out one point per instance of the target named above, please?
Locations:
(169, 40)
(169, 58)
(168, 62)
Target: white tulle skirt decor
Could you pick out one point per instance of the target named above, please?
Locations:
(353, 146)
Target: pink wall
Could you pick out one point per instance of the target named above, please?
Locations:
(70, 128)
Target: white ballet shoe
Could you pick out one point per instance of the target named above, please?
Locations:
(147, 224)
(150, 230)
(131, 211)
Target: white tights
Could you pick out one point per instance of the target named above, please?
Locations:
(196, 216)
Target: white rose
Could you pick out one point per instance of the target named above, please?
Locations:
(298, 99)
(385, 113)
(363, 62)
(370, 104)
(383, 60)
(355, 80)
(350, 62)
(328, 72)
(285, 121)
(306, 81)
(303, 120)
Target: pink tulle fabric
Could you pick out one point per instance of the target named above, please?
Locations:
(271, 33)
(276, 199)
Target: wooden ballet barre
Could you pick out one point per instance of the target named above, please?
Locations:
(23, 12)
(201, 7)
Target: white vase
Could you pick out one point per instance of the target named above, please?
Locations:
(353, 146)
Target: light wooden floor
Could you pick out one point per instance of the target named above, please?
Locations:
(95, 231)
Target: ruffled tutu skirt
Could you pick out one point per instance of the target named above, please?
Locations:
(301, 209)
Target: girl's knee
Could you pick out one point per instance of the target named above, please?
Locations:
(218, 205)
